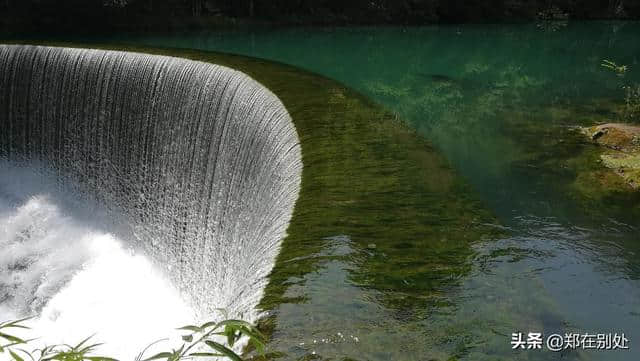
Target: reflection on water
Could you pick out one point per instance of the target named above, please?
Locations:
(389, 256)
(547, 279)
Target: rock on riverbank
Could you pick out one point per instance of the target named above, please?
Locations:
(622, 143)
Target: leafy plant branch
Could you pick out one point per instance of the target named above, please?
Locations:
(199, 342)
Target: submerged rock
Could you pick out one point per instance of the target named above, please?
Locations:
(622, 142)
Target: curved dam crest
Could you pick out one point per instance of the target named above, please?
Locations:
(200, 163)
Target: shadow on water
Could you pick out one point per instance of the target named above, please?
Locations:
(390, 254)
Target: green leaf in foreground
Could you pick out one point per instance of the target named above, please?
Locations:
(15, 356)
(223, 350)
(11, 338)
(205, 354)
(190, 328)
(233, 330)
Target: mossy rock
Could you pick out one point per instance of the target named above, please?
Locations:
(616, 136)
(625, 165)
(622, 144)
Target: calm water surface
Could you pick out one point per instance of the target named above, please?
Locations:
(499, 103)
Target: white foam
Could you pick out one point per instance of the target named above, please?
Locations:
(77, 279)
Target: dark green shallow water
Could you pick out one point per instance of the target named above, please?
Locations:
(393, 256)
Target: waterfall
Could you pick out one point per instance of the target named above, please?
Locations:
(193, 166)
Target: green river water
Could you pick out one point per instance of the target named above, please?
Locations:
(489, 220)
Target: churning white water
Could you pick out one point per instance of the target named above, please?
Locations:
(57, 263)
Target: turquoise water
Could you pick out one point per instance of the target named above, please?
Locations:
(459, 85)
(499, 102)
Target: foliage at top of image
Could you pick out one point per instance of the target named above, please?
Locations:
(198, 342)
(552, 19)
(104, 15)
(115, 3)
(553, 13)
